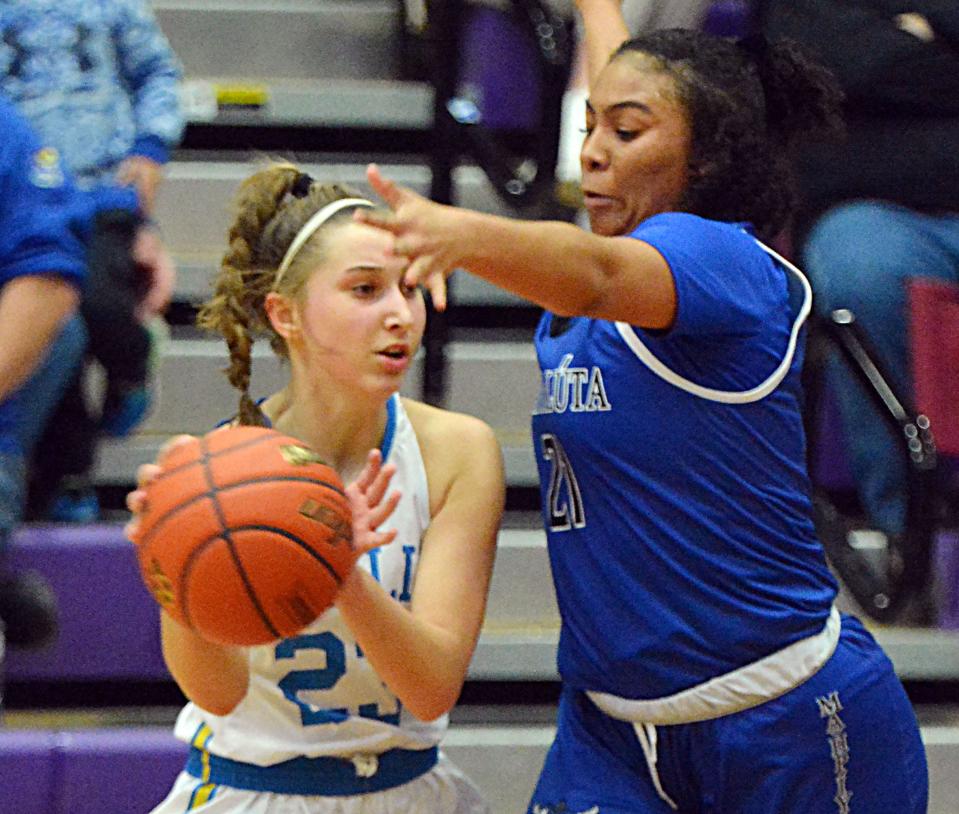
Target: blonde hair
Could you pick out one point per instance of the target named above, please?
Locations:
(270, 208)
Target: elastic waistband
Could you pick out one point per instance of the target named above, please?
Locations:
(325, 776)
(735, 691)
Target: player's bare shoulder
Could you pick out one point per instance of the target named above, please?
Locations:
(454, 446)
(446, 432)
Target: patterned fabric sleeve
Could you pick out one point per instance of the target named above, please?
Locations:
(153, 72)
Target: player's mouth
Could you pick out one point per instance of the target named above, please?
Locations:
(396, 358)
(594, 200)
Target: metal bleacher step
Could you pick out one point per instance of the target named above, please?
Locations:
(94, 571)
(288, 39)
(193, 212)
(193, 395)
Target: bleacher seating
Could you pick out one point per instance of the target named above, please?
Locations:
(330, 65)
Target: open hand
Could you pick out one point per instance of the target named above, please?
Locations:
(424, 233)
(369, 504)
(143, 174)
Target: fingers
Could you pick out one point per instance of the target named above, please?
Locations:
(380, 512)
(169, 446)
(420, 272)
(382, 538)
(135, 500)
(391, 194)
(379, 219)
(378, 487)
(374, 461)
(146, 473)
(130, 530)
(436, 285)
(417, 271)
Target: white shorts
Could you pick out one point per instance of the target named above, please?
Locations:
(444, 789)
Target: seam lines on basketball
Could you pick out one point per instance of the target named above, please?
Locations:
(251, 442)
(148, 537)
(227, 538)
(299, 541)
(201, 547)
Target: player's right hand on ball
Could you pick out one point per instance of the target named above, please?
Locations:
(147, 473)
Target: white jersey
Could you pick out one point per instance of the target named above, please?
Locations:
(315, 694)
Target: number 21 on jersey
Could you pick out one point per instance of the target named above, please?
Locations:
(564, 501)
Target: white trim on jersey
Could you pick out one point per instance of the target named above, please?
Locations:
(734, 691)
(756, 393)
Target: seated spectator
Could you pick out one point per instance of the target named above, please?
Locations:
(882, 206)
(98, 81)
(41, 269)
(46, 223)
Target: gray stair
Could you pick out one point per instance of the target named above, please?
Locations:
(193, 213)
(293, 62)
(521, 630)
(498, 382)
(283, 39)
(193, 396)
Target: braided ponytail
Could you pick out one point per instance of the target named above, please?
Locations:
(270, 208)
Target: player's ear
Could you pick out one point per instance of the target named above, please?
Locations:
(283, 315)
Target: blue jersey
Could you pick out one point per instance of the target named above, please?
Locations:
(679, 521)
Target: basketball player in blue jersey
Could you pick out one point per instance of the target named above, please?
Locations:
(705, 667)
(346, 716)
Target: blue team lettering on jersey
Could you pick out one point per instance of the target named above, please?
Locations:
(297, 681)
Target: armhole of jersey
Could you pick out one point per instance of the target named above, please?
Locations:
(756, 393)
(405, 441)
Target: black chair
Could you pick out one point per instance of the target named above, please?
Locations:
(894, 583)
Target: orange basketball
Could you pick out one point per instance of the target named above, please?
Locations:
(246, 535)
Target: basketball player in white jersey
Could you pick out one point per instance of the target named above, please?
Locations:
(346, 716)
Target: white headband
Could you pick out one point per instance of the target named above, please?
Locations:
(315, 222)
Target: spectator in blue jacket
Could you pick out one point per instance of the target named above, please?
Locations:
(98, 81)
(45, 224)
(41, 270)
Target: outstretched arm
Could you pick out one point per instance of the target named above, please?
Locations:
(604, 31)
(556, 265)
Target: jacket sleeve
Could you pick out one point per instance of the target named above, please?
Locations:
(153, 72)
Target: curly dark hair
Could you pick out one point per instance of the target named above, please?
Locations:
(749, 102)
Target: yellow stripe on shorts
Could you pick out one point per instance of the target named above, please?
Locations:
(203, 793)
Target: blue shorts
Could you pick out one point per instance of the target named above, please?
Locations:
(846, 740)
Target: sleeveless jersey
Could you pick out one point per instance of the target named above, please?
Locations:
(679, 521)
(315, 694)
